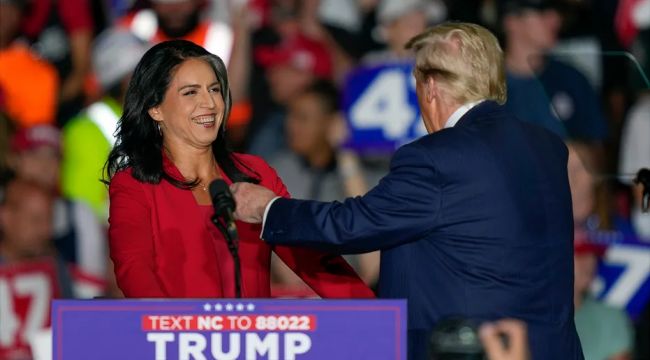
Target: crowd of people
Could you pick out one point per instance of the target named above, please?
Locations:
(66, 66)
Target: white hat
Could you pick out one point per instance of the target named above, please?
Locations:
(390, 10)
(115, 54)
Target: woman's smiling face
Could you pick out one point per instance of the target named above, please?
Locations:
(192, 110)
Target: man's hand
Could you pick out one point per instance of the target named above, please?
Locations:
(516, 345)
(251, 201)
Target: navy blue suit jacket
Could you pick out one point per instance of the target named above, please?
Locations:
(473, 220)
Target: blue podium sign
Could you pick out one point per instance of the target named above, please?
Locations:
(381, 108)
(228, 329)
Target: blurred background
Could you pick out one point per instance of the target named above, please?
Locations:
(322, 90)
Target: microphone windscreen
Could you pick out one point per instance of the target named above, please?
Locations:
(218, 186)
(222, 199)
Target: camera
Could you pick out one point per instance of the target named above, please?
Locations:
(456, 338)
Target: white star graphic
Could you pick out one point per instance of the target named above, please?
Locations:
(250, 307)
(207, 307)
(240, 307)
(229, 307)
(218, 307)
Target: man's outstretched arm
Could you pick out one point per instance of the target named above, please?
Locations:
(402, 208)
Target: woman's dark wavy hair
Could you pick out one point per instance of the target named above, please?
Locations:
(139, 142)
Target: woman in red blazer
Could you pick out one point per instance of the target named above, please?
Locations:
(170, 145)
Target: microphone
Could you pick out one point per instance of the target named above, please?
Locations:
(224, 205)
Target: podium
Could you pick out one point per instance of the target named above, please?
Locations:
(228, 329)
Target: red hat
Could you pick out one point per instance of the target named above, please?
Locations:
(582, 245)
(35, 137)
(299, 52)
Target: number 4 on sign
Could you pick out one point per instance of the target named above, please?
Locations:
(385, 105)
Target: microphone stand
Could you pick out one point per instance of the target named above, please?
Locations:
(231, 239)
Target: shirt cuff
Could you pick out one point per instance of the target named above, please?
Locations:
(266, 212)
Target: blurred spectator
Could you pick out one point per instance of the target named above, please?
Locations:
(481, 12)
(614, 66)
(347, 27)
(309, 164)
(89, 137)
(314, 169)
(26, 216)
(28, 260)
(78, 236)
(344, 14)
(291, 65)
(245, 17)
(582, 181)
(21, 69)
(6, 132)
(218, 10)
(116, 9)
(180, 19)
(540, 89)
(26, 222)
(61, 32)
(631, 17)
(399, 21)
(605, 332)
(635, 141)
(312, 25)
(225, 11)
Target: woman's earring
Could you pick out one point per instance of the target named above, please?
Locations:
(159, 131)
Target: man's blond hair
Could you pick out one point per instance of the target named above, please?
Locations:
(465, 59)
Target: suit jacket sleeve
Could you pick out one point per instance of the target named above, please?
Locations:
(329, 275)
(130, 238)
(403, 207)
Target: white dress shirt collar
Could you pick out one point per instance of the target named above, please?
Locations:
(462, 110)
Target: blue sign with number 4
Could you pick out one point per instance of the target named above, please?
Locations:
(381, 108)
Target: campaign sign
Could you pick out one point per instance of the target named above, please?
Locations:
(624, 278)
(624, 271)
(381, 108)
(228, 329)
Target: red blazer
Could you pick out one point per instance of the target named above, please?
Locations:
(163, 245)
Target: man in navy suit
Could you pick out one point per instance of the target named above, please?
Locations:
(473, 219)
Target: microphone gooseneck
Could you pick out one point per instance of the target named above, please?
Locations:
(224, 206)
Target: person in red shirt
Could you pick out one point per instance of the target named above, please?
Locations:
(170, 146)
